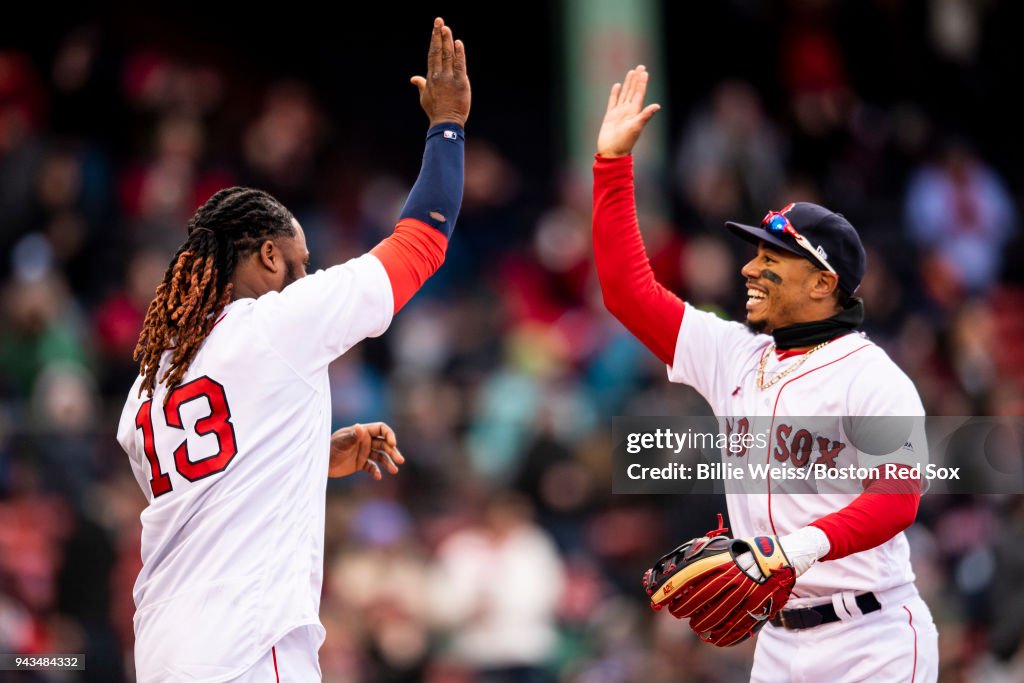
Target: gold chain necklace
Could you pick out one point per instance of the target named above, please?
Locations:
(764, 361)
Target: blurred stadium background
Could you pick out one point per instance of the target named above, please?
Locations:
(499, 552)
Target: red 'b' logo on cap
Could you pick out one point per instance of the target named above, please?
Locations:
(766, 545)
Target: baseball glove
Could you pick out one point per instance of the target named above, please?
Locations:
(704, 580)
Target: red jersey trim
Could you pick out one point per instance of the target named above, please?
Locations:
(910, 622)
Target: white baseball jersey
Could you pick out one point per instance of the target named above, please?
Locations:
(850, 376)
(234, 464)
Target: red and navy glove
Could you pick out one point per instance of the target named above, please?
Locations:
(702, 581)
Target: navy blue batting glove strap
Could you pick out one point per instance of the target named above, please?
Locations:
(436, 197)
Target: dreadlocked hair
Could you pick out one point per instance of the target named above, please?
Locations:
(196, 287)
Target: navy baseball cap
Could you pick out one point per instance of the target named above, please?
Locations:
(828, 238)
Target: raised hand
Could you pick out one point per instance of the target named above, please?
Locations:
(364, 447)
(626, 115)
(444, 92)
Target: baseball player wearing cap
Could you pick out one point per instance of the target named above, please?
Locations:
(228, 426)
(855, 614)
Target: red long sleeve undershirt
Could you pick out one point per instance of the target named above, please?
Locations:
(648, 310)
(887, 507)
(653, 314)
(411, 254)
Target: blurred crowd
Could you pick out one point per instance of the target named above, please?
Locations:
(499, 553)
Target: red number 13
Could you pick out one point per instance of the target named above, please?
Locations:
(218, 422)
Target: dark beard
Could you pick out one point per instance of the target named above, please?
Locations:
(289, 275)
(758, 327)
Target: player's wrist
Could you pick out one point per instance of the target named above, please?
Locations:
(450, 121)
(804, 547)
(611, 161)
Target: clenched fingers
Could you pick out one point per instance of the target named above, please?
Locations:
(384, 445)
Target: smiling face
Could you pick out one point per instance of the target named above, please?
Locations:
(784, 289)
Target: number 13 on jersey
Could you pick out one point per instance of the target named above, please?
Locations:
(218, 423)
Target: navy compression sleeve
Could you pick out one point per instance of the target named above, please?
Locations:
(437, 195)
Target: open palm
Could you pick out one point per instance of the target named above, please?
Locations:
(626, 115)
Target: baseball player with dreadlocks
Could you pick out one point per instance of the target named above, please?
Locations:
(228, 425)
(824, 578)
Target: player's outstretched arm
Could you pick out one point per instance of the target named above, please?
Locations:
(316, 319)
(364, 448)
(416, 249)
(648, 310)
